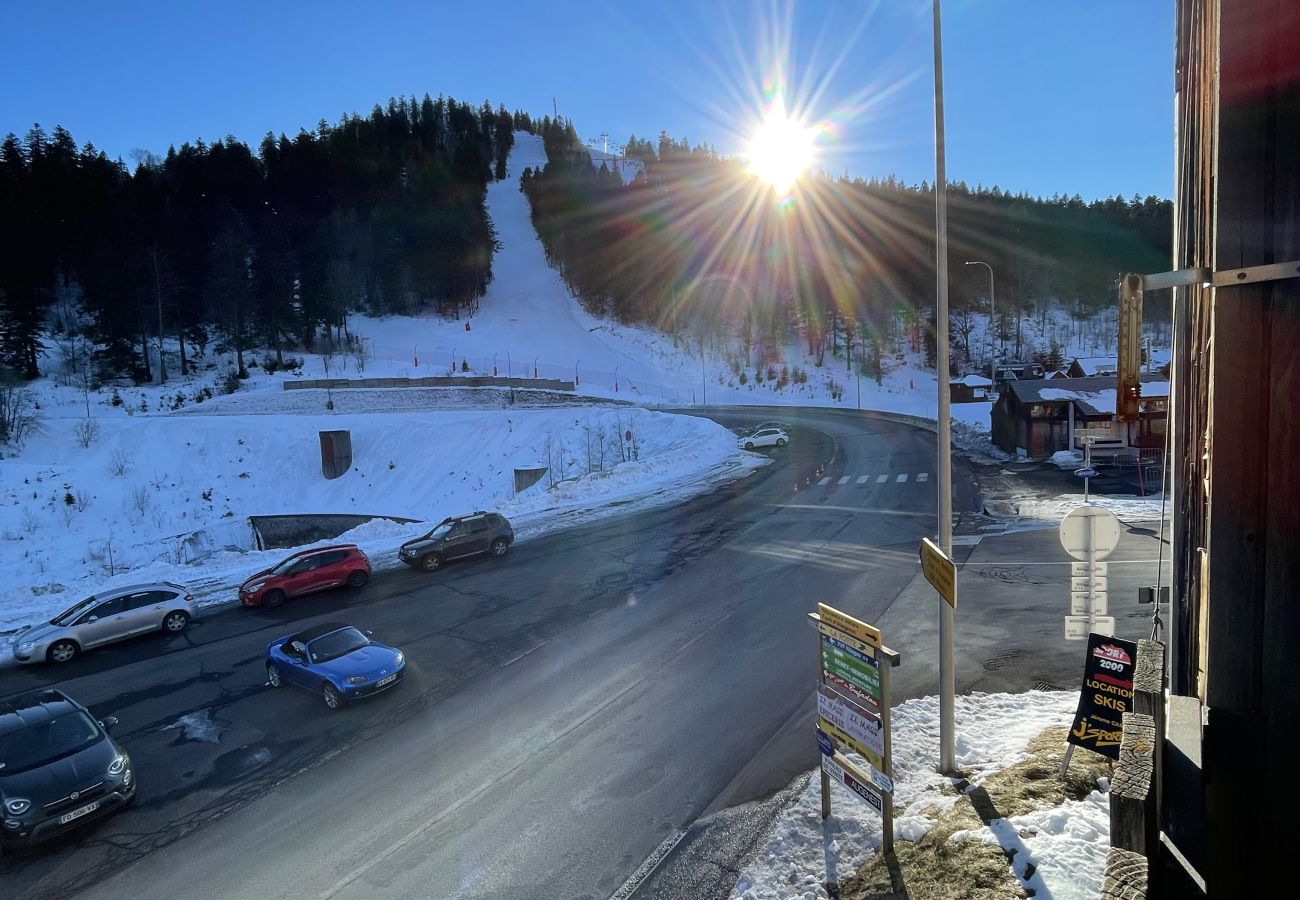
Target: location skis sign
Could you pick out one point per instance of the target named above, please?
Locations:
(1107, 694)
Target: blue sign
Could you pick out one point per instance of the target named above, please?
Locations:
(824, 742)
(1089, 472)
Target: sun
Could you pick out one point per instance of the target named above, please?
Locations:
(782, 149)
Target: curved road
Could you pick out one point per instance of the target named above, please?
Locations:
(564, 712)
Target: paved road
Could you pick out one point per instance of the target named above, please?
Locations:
(565, 711)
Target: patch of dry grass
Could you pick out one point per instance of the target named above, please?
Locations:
(937, 868)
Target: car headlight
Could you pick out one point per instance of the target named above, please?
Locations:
(254, 588)
(16, 806)
(26, 646)
(356, 679)
(117, 765)
(127, 776)
(399, 659)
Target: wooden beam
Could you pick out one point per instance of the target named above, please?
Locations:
(1126, 876)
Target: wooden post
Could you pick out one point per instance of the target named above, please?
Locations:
(826, 794)
(1149, 700)
(886, 703)
(1126, 875)
(1131, 801)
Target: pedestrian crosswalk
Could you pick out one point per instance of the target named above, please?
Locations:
(882, 478)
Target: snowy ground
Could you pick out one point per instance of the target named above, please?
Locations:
(168, 496)
(1065, 844)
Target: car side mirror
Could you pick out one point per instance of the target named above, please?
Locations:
(298, 660)
(108, 723)
(93, 619)
(370, 634)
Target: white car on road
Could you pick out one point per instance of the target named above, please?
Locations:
(764, 437)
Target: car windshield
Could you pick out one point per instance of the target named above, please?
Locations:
(336, 644)
(439, 530)
(72, 612)
(46, 742)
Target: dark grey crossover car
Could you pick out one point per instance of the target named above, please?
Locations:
(58, 767)
(457, 536)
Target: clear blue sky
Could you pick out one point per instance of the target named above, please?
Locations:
(1041, 96)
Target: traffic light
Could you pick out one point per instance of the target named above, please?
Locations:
(1127, 409)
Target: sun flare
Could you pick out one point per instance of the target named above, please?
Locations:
(782, 149)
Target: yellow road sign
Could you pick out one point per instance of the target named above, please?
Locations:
(939, 570)
(853, 627)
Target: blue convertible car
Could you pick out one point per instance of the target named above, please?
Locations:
(336, 661)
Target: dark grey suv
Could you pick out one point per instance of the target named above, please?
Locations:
(458, 536)
(58, 767)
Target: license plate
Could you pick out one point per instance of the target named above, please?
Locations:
(78, 813)
(383, 681)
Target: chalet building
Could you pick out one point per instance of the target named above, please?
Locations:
(970, 389)
(1039, 417)
(1089, 366)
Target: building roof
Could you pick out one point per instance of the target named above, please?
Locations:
(1097, 365)
(973, 381)
(1095, 396)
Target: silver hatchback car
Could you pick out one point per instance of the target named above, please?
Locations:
(104, 618)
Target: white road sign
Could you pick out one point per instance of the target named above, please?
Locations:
(1079, 603)
(1078, 569)
(1076, 627)
(1090, 533)
(1080, 583)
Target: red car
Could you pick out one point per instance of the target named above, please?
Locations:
(313, 570)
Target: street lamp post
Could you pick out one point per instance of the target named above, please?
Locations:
(993, 322)
(494, 365)
(575, 372)
(947, 741)
(509, 368)
(535, 359)
(453, 359)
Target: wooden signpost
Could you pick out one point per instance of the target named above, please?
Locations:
(853, 712)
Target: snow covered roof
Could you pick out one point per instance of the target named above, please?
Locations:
(1097, 365)
(973, 381)
(1095, 396)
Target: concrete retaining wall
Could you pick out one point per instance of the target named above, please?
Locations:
(278, 532)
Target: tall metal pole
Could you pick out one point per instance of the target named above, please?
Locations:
(993, 322)
(704, 384)
(947, 688)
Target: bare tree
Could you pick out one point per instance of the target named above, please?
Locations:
(19, 418)
(163, 284)
(86, 432)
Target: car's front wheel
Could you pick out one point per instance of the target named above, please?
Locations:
(273, 676)
(174, 622)
(272, 599)
(358, 578)
(333, 699)
(500, 546)
(749, 445)
(62, 651)
(431, 562)
(780, 442)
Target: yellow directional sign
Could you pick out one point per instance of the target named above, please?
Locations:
(853, 627)
(939, 570)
